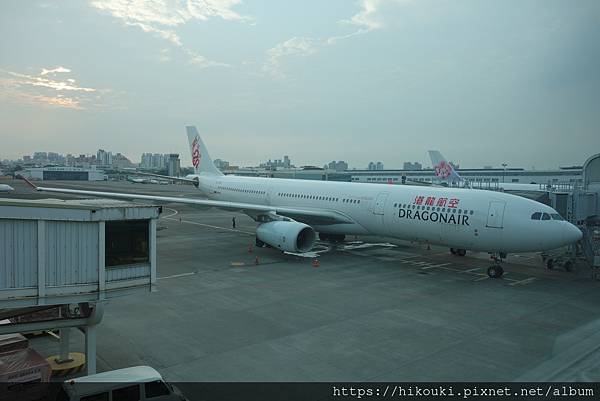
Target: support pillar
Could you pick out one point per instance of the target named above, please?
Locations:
(90, 349)
(65, 337)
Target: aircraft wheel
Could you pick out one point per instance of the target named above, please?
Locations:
(550, 264)
(568, 266)
(461, 252)
(495, 271)
(259, 243)
(337, 237)
(453, 251)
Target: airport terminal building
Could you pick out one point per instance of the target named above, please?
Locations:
(571, 175)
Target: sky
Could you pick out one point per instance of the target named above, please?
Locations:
(485, 82)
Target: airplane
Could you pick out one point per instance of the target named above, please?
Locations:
(137, 180)
(6, 188)
(289, 213)
(444, 171)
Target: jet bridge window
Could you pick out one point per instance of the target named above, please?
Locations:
(126, 242)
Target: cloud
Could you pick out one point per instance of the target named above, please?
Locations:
(39, 90)
(369, 18)
(54, 71)
(292, 47)
(160, 17)
(164, 56)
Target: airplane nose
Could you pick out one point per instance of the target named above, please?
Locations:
(571, 233)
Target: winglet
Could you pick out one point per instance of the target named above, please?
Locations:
(31, 184)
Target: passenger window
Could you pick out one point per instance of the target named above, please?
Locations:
(96, 397)
(156, 389)
(536, 216)
(545, 216)
(130, 393)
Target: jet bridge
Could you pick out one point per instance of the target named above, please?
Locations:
(581, 206)
(60, 260)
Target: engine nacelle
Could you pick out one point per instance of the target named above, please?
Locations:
(288, 236)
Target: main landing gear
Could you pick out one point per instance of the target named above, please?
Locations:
(495, 270)
(459, 252)
(332, 237)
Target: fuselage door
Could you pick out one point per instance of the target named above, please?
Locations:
(495, 217)
(379, 206)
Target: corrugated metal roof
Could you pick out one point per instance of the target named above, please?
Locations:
(76, 210)
(86, 204)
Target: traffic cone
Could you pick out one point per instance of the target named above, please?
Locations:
(316, 262)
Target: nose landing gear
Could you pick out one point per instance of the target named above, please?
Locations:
(496, 270)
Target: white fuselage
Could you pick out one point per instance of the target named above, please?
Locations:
(455, 217)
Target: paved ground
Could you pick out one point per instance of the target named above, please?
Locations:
(375, 309)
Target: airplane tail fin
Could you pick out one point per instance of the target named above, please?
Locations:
(200, 157)
(443, 170)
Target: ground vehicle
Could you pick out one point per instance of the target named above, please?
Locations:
(138, 383)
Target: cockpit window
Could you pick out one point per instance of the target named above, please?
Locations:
(556, 216)
(545, 216)
(536, 216)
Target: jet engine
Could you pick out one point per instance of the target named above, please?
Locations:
(288, 236)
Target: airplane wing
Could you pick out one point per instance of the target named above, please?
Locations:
(307, 216)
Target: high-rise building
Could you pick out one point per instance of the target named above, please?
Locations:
(338, 166)
(146, 161)
(413, 166)
(40, 157)
(274, 164)
(104, 158)
(174, 165)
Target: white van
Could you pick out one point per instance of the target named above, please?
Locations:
(138, 383)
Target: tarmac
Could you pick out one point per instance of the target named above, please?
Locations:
(375, 309)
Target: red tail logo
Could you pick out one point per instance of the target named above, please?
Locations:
(443, 170)
(195, 153)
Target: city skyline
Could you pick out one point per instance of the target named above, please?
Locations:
(485, 82)
(159, 161)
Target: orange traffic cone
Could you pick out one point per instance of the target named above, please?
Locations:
(316, 262)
